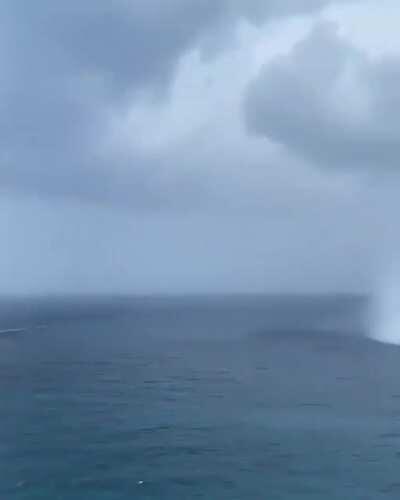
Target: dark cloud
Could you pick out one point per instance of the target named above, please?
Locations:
(68, 63)
(329, 103)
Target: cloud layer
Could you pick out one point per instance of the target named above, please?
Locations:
(329, 103)
(69, 66)
(195, 145)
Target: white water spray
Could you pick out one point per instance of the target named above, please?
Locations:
(385, 309)
(386, 324)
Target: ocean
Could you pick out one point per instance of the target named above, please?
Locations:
(252, 397)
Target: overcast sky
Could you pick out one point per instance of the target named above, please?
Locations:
(154, 146)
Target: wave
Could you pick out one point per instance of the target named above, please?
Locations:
(10, 331)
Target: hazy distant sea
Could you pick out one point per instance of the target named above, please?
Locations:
(215, 398)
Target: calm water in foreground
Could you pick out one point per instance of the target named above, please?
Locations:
(235, 398)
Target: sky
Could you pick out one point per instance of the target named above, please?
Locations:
(198, 146)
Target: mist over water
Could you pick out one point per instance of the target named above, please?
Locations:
(385, 311)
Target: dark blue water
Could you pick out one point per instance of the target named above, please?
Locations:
(240, 398)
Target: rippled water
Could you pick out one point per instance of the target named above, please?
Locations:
(215, 399)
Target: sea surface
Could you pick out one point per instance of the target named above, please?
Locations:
(196, 398)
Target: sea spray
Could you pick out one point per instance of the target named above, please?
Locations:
(385, 308)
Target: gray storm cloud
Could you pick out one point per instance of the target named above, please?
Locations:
(67, 64)
(127, 163)
(329, 103)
